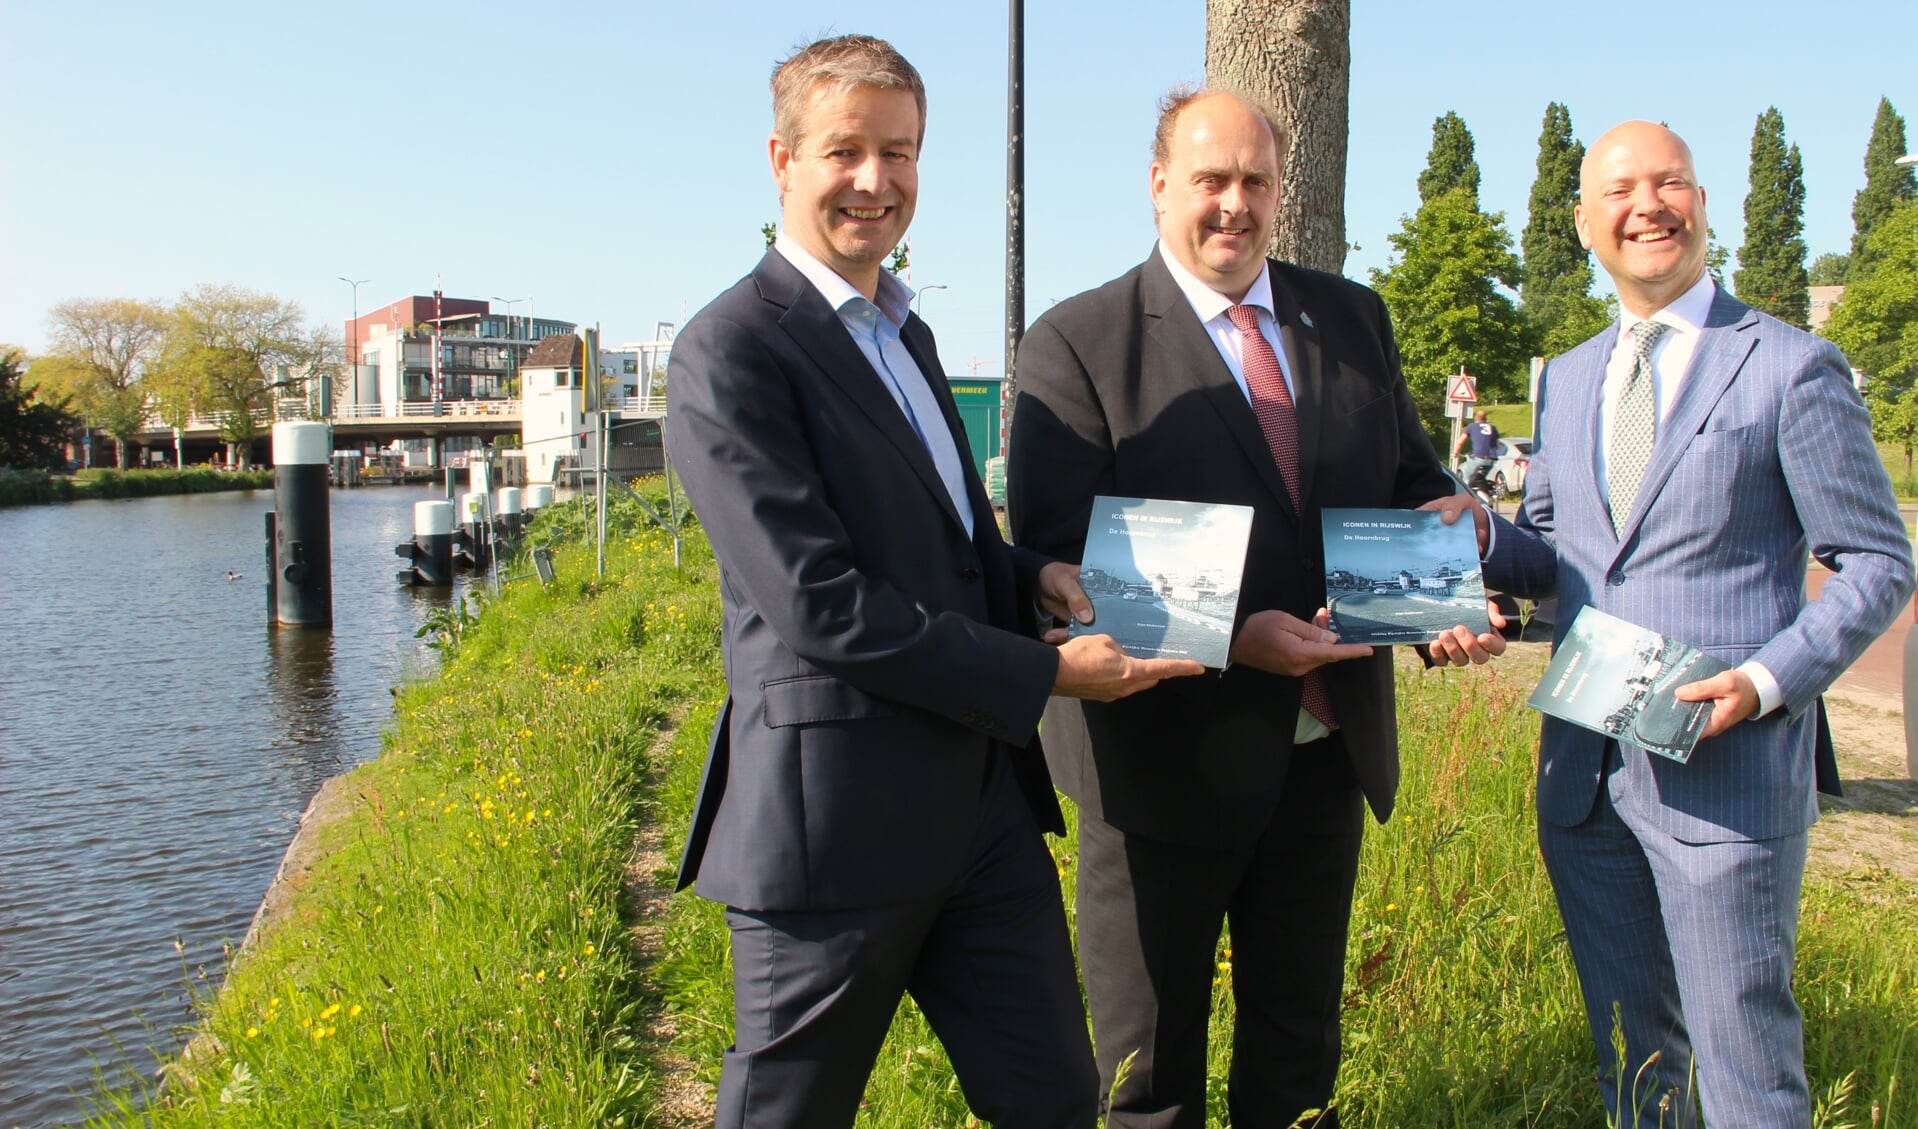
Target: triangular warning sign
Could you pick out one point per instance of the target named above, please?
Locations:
(1462, 390)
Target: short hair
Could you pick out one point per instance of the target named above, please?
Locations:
(839, 64)
(1177, 99)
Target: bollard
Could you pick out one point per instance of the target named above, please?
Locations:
(300, 585)
(431, 549)
(537, 499)
(471, 551)
(511, 518)
(452, 483)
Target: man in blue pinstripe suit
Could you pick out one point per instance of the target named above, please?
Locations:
(1684, 470)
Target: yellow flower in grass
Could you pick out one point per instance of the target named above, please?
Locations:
(253, 1032)
(329, 1012)
(354, 1011)
(588, 950)
(1391, 907)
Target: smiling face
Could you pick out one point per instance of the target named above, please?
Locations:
(1217, 191)
(1641, 211)
(847, 188)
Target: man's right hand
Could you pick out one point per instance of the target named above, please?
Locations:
(1095, 667)
(1279, 643)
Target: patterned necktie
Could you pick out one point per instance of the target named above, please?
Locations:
(1634, 427)
(1279, 419)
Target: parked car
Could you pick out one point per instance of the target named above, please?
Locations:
(1507, 476)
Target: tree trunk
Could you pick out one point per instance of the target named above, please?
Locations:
(1296, 56)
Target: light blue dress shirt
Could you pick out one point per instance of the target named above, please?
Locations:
(875, 329)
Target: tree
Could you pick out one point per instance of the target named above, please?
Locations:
(1556, 291)
(102, 349)
(1294, 56)
(231, 353)
(1451, 163)
(1771, 273)
(1830, 269)
(1876, 325)
(1887, 184)
(33, 429)
(1443, 290)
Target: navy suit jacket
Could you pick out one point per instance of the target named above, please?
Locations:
(1765, 458)
(1122, 393)
(875, 654)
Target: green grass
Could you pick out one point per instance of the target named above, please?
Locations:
(41, 488)
(484, 949)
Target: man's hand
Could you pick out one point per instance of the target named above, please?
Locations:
(1285, 644)
(1449, 507)
(1095, 667)
(1062, 598)
(1732, 695)
(1459, 646)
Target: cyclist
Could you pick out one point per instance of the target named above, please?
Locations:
(1484, 439)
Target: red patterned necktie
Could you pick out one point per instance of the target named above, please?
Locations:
(1279, 419)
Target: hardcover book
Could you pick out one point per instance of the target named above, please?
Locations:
(1401, 576)
(1164, 576)
(1617, 678)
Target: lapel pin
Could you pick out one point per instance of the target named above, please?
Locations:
(1305, 319)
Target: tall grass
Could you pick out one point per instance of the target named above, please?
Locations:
(457, 957)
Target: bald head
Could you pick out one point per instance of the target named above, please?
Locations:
(1641, 211)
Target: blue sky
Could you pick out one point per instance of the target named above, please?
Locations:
(609, 159)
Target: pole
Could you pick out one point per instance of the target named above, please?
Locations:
(1015, 184)
(353, 383)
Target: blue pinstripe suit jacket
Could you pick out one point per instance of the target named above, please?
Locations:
(1766, 456)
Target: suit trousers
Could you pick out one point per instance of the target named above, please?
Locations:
(1689, 948)
(1149, 918)
(989, 962)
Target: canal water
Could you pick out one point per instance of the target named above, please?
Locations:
(158, 742)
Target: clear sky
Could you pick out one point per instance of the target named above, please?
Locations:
(609, 160)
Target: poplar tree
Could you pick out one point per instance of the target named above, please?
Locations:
(1771, 273)
(1447, 285)
(1887, 185)
(1557, 272)
(1452, 162)
(1877, 327)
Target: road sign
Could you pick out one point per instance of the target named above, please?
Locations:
(1462, 391)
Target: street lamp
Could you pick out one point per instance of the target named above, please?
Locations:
(1908, 160)
(326, 409)
(918, 297)
(509, 303)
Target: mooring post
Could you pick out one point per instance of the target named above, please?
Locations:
(431, 549)
(300, 592)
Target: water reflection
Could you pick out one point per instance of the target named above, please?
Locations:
(158, 742)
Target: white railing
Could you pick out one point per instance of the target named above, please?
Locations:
(642, 405)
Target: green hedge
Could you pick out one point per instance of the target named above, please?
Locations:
(34, 487)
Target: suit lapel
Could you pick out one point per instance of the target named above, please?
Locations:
(1723, 347)
(1188, 361)
(815, 327)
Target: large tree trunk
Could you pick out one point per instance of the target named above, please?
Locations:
(1295, 55)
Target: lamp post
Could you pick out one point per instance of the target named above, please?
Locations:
(512, 348)
(918, 297)
(353, 361)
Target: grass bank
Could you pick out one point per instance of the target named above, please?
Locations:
(36, 487)
(457, 955)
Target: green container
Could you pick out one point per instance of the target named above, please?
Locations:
(982, 414)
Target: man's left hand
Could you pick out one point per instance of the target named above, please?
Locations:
(1060, 594)
(1732, 695)
(1451, 506)
(1459, 646)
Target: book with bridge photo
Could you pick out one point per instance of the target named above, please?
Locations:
(1164, 576)
(1401, 576)
(1617, 678)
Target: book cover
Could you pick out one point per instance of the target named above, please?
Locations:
(1164, 576)
(1401, 576)
(1617, 678)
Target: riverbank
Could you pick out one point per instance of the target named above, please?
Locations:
(34, 487)
(477, 938)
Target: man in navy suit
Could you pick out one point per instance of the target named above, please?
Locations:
(1687, 461)
(1210, 373)
(873, 801)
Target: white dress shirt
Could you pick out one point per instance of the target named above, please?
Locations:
(1211, 307)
